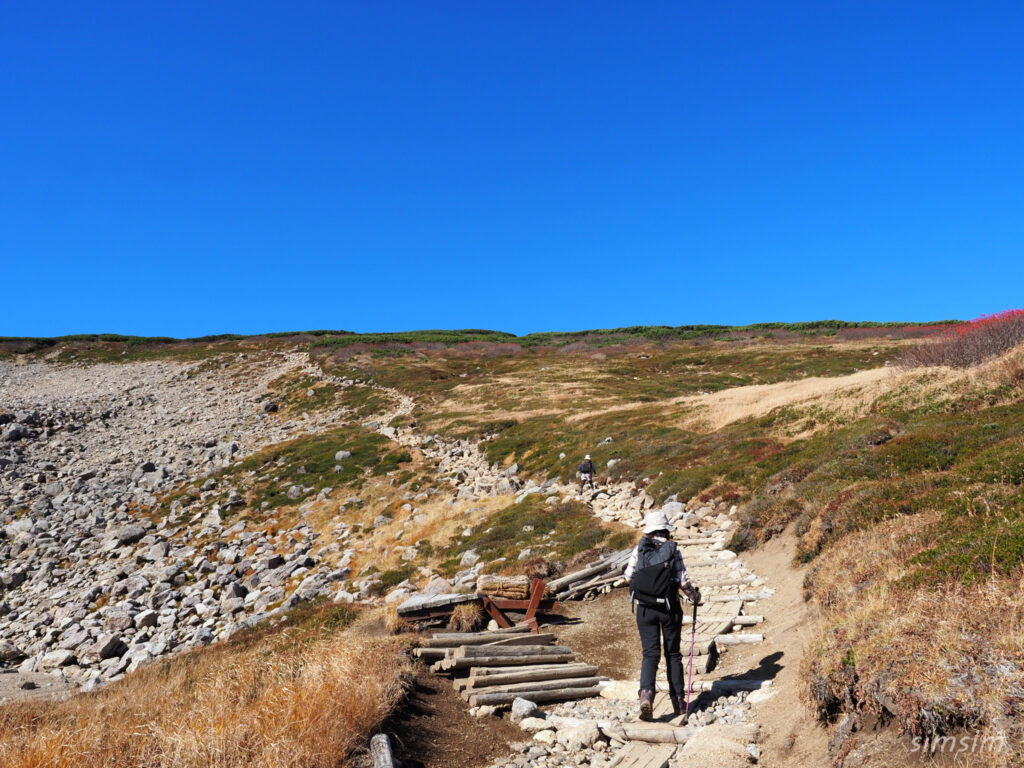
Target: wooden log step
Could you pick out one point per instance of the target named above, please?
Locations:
(739, 639)
(455, 639)
(533, 685)
(643, 755)
(702, 563)
(536, 696)
(380, 749)
(748, 597)
(717, 584)
(651, 733)
(491, 671)
(545, 639)
(449, 664)
(699, 539)
(728, 686)
(699, 686)
(719, 567)
(527, 675)
(475, 651)
(701, 647)
(721, 639)
(706, 543)
(430, 653)
(693, 553)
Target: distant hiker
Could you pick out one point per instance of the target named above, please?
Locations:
(587, 473)
(656, 574)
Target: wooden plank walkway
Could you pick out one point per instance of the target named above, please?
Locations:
(729, 589)
(642, 755)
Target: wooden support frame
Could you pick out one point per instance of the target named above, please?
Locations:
(496, 606)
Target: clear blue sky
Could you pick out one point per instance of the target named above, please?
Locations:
(190, 168)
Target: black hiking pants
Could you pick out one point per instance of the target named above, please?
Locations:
(661, 628)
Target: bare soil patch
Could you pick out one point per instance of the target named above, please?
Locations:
(433, 729)
(24, 686)
(601, 632)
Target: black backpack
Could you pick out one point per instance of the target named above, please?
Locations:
(654, 578)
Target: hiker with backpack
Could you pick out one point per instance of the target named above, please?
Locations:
(656, 575)
(587, 473)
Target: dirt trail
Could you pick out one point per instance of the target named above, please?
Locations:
(790, 736)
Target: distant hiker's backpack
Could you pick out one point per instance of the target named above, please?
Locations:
(587, 468)
(654, 578)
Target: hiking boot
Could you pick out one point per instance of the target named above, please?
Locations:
(677, 706)
(646, 705)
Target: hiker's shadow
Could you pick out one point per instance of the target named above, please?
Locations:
(766, 669)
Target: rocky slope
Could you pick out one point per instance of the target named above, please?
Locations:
(93, 582)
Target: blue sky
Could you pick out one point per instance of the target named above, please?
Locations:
(193, 168)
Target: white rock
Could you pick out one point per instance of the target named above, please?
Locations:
(534, 724)
(762, 694)
(522, 709)
(578, 735)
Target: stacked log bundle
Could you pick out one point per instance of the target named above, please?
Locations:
(500, 666)
(604, 572)
(512, 587)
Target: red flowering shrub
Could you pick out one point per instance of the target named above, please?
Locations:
(968, 344)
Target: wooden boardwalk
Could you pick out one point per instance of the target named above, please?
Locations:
(727, 617)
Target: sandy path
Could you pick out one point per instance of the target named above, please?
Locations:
(790, 736)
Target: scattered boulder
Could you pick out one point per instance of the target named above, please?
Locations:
(10, 653)
(56, 660)
(578, 735)
(128, 534)
(13, 433)
(522, 709)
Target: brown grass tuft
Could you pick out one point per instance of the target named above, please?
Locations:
(394, 623)
(466, 618)
(279, 702)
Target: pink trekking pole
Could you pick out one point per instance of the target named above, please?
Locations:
(689, 682)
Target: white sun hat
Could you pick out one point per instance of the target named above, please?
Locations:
(656, 521)
(586, 457)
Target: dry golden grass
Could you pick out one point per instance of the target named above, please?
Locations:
(466, 617)
(393, 623)
(846, 396)
(836, 397)
(944, 658)
(275, 703)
